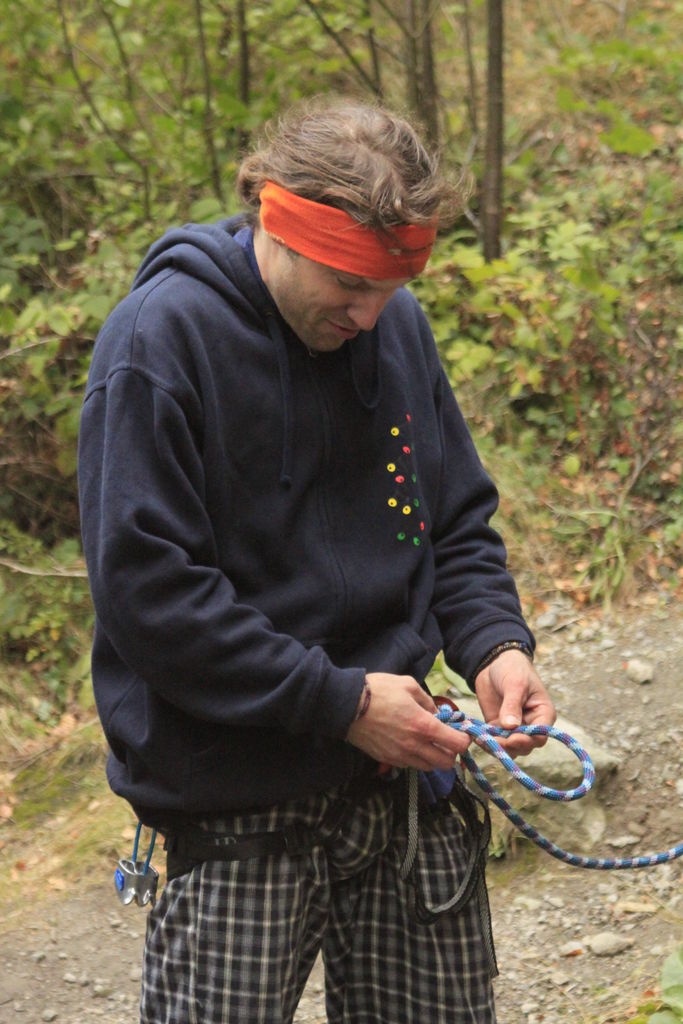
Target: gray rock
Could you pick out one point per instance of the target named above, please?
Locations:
(608, 943)
(621, 841)
(528, 903)
(638, 670)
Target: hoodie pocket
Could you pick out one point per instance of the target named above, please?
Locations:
(398, 649)
(419, 657)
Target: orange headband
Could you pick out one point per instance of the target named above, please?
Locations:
(330, 236)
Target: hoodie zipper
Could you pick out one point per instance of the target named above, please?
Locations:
(341, 591)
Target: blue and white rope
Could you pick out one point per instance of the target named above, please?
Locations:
(150, 851)
(483, 735)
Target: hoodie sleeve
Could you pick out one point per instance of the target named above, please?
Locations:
(167, 609)
(475, 598)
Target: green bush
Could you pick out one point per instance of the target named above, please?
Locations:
(45, 620)
(566, 347)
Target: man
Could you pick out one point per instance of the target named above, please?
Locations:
(285, 520)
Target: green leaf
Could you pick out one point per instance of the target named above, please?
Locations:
(35, 363)
(567, 100)
(96, 307)
(513, 312)
(206, 209)
(484, 301)
(66, 425)
(468, 357)
(572, 465)
(465, 257)
(672, 980)
(665, 1017)
(60, 321)
(66, 460)
(7, 320)
(487, 271)
(231, 108)
(628, 138)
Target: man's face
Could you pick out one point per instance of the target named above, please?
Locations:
(323, 306)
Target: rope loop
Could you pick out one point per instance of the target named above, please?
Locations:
(484, 735)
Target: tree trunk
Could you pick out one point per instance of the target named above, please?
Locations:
(372, 50)
(492, 190)
(421, 91)
(208, 105)
(244, 74)
(429, 112)
(412, 57)
(472, 99)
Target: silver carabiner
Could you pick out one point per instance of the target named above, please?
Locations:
(136, 880)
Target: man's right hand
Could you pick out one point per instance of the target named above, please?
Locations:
(399, 727)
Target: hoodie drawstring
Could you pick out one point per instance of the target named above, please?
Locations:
(364, 364)
(276, 334)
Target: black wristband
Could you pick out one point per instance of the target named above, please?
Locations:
(509, 645)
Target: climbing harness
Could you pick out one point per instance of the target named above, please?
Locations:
(136, 880)
(484, 736)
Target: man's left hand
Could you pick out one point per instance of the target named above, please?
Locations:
(510, 693)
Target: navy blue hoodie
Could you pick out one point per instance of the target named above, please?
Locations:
(262, 528)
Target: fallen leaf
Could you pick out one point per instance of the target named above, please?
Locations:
(634, 907)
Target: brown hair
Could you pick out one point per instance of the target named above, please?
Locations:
(357, 157)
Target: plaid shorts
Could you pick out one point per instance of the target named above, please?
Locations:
(233, 942)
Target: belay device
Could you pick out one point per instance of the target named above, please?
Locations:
(136, 880)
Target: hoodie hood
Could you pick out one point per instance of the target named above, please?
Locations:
(208, 253)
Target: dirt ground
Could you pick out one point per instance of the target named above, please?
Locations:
(74, 957)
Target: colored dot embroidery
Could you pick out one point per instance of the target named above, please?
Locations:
(405, 481)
